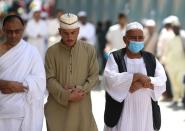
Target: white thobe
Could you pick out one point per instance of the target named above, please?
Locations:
(53, 33)
(164, 38)
(174, 60)
(37, 35)
(25, 110)
(137, 111)
(115, 37)
(88, 31)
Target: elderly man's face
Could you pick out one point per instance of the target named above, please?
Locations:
(13, 31)
(69, 36)
(83, 19)
(133, 35)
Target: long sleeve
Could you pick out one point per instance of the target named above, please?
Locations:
(116, 84)
(93, 73)
(36, 83)
(53, 86)
(159, 81)
(36, 80)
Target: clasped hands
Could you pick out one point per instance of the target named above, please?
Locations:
(140, 81)
(76, 94)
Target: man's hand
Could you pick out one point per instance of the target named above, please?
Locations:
(145, 80)
(13, 87)
(140, 81)
(69, 88)
(135, 86)
(151, 86)
(76, 95)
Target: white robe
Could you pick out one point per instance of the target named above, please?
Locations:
(137, 111)
(23, 64)
(88, 31)
(35, 29)
(115, 37)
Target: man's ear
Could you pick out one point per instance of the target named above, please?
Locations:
(125, 39)
(3, 29)
(59, 30)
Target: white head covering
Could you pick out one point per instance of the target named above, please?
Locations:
(175, 21)
(69, 21)
(150, 22)
(134, 25)
(82, 14)
(172, 19)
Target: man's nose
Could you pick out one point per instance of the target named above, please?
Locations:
(14, 33)
(70, 36)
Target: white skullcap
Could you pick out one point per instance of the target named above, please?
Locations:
(134, 25)
(166, 21)
(69, 21)
(170, 19)
(150, 22)
(82, 14)
(175, 21)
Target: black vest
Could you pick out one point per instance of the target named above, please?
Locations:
(113, 108)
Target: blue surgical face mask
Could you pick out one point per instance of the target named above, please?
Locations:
(136, 46)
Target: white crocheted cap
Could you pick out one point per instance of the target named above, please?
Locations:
(134, 25)
(69, 21)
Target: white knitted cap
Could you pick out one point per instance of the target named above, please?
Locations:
(134, 25)
(69, 21)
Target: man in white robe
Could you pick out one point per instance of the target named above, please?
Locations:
(115, 34)
(22, 80)
(134, 87)
(37, 33)
(87, 29)
(174, 60)
(151, 36)
(53, 24)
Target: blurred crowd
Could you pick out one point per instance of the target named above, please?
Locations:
(166, 43)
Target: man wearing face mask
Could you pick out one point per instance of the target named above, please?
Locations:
(134, 80)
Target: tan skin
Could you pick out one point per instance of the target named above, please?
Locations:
(139, 80)
(36, 15)
(13, 31)
(69, 37)
(122, 22)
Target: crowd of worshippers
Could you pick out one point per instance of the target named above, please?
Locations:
(139, 64)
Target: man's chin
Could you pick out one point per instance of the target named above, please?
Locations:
(14, 42)
(71, 44)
